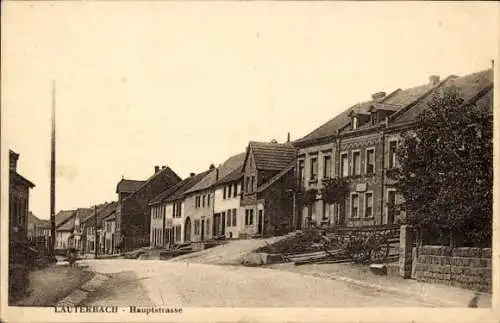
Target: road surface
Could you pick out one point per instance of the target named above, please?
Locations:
(185, 284)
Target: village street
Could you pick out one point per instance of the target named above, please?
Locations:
(186, 284)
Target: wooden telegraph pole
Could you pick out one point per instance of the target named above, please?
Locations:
(53, 172)
(96, 242)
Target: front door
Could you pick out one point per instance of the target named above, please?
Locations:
(187, 230)
(202, 229)
(259, 223)
(391, 202)
(223, 223)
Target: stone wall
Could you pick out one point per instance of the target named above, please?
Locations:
(461, 267)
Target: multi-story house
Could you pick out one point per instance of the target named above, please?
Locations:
(19, 188)
(360, 145)
(167, 211)
(37, 227)
(71, 231)
(228, 215)
(199, 201)
(107, 232)
(132, 213)
(268, 185)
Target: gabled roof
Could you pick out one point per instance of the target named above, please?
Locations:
(63, 216)
(222, 171)
(68, 225)
(270, 155)
(396, 100)
(33, 218)
(103, 210)
(165, 170)
(188, 184)
(235, 175)
(276, 177)
(128, 185)
(471, 87)
(21, 178)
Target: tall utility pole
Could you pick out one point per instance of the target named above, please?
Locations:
(53, 171)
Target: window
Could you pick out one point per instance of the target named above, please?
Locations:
(354, 205)
(301, 171)
(235, 189)
(248, 217)
(234, 217)
(356, 162)
(326, 206)
(370, 160)
(354, 123)
(177, 233)
(203, 204)
(208, 227)
(368, 204)
(208, 200)
(196, 226)
(247, 182)
(391, 207)
(327, 166)
(252, 183)
(228, 218)
(374, 118)
(344, 165)
(224, 193)
(392, 154)
(229, 191)
(251, 217)
(314, 168)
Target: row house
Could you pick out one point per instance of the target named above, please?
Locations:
(227, 205)
(267, 200)
(360, 145)
(133, 213)
(94, 230)
(37, 227)
(167, 210)
(72, 230)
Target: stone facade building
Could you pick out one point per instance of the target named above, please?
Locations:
(268, 184)
(360, 145)
(133, 213)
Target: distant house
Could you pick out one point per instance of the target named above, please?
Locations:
(228, 215)
(167, 211)
(69, 231)
(37, 227)
(64, 231)
(89, 228)
(132, 213)
(268, 183)
(107, 236)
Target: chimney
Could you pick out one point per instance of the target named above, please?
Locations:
(378, 95)
(274, 141)
(157, 169)
(191, 174)
(433, 79)
(13, 157)
(212, 166)
(288, 137)
(163, 167)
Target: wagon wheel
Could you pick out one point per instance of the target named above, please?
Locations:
(379, 250)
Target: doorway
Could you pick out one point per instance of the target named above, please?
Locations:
(223, 223)
(187, 230)
(202, 229)
(259, 223)
(391, 203)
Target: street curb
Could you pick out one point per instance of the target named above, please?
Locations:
(81, 293)
(390, 290)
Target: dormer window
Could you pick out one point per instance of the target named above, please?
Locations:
(354, 122)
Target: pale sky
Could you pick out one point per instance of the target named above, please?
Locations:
(187, 84)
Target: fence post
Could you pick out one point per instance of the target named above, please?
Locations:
(406, 239)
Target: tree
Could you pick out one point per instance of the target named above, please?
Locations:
(445, 171)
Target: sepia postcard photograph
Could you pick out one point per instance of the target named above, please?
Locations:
(249, 161)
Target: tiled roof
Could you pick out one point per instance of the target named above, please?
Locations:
(394, 101)
(276, 177)
(166, 170)
(223, 170)
(68, 225)
(45, 224)
(271, 156)
(189, 183)
(33, 218)
(171, 190)
(235, 175)
(63, 216)
(128, 185)
(469, 86)
(103, 210)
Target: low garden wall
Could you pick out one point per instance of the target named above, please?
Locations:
(461, 267)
